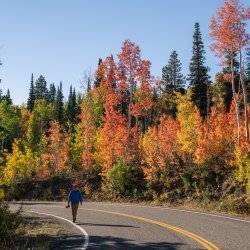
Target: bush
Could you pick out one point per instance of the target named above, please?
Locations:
(235, 204)
(125, 180)
(9, 222)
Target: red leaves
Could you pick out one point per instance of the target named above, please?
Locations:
(228, 27)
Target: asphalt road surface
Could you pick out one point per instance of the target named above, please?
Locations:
(121, 226)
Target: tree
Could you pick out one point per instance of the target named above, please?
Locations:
(55, 159)
(172, 78)
(7, 97)
(198, 74)
(128, 73)
(38, 124)
(52, 93)
(72, 111)
(248, 64)
(228, 30)
(40, 88)
(9, 124)
(99, 74)
(113, 135)
(59, 105)
(32, 97)
(189, 119)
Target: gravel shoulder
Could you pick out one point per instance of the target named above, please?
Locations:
(45, 232)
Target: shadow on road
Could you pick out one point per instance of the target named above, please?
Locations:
(104, 225)
(109, 242)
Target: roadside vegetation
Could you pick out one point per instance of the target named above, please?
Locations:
(131, 136)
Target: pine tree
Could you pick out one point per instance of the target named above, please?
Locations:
(172, 78)
(31, 99)
(52, 93)
(72, 109)
(59, 108)
(99, 74)
(7, 97)
(40, 89)
(198, 76)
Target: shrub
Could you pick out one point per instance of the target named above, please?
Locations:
(9, 222)
(124, 180)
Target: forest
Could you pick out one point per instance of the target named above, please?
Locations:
(133, 136)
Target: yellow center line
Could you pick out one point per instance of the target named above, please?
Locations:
(208, 245)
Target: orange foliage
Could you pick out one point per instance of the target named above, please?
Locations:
(113, 135)
(56, 156)
(87, 134)
(217, 136)
(159, 146)
(228, 27)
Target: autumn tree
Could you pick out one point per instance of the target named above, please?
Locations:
(228, 29)
(55, 158)
(159, 147)
(113, 135)
(189, 119)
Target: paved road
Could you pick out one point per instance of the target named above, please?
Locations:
(121, 226)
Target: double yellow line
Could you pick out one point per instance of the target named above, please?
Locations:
(206, 244)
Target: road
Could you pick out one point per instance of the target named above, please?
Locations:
(122, 226)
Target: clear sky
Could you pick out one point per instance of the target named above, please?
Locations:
(63, 38)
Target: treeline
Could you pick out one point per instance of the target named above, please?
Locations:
(133, 135)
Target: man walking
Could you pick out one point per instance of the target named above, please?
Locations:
(75, 197)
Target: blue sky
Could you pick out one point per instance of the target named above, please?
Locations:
(61, 38)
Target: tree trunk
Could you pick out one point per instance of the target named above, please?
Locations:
(235, 100)
(242, 81)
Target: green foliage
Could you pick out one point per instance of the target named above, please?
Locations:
(9, 124)
(122, 179)
(198, 74)
(32, 97)
(59, 106)
(172, 78)
(9, 222)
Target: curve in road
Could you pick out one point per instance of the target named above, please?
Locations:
(123, 226)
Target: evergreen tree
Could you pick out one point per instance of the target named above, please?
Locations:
(7, 98)
(72, 107)
(172, 78)
(98, 77)
(198, 76)
(52, 93)
(40, 89)
(31, 99)
(59, 109)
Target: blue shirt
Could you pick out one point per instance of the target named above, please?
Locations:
(75, 196)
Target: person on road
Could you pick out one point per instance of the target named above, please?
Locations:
(75, 197)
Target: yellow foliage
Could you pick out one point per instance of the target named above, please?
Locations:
(189, 119)
(19, 164)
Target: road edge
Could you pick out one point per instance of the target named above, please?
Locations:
(82, 230)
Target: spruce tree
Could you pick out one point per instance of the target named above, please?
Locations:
(59, 108)
(198, 74)
(98, 78)
(7, 97)
(40, 88)
(72, 107)
(52, 93)
(31, 99)
(172, 78)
